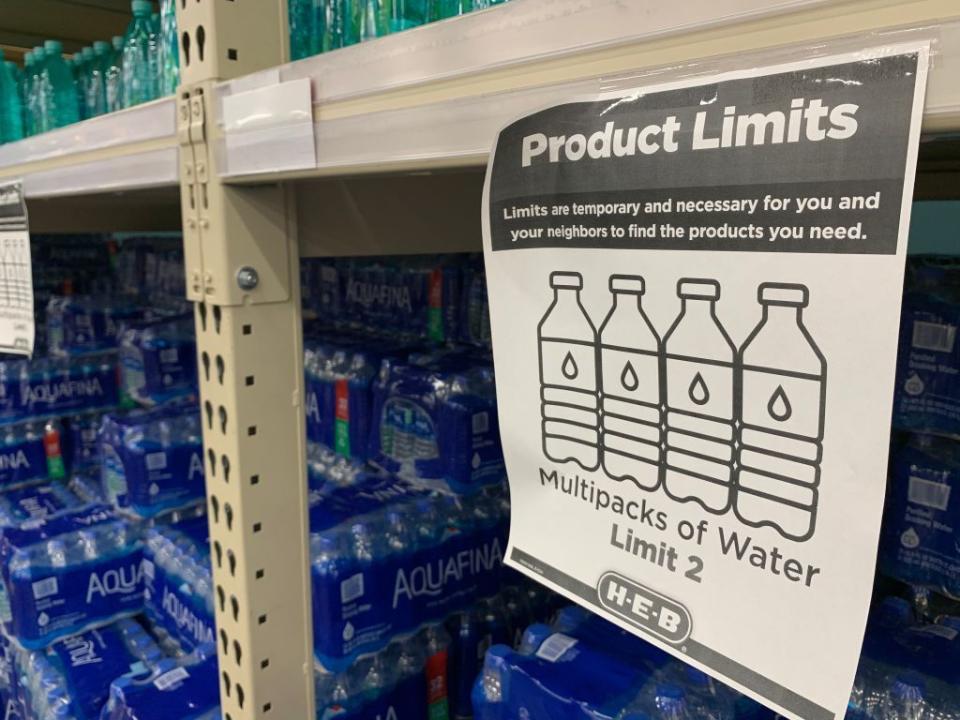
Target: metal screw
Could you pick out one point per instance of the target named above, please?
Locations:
(247, 278)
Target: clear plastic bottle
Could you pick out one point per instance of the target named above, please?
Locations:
(114, 76)
(11, 104)
(97, 79)
(906, 699)
(405, 14)
(442, 9)
(38, 97)
(156, 54)
(139, 82)
(169, 48)
(26, 93)
(374, 18)
(304, 36)
(58, 88)
(85, 70)
(630, 382)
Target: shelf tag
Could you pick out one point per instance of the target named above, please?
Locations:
(17, 324)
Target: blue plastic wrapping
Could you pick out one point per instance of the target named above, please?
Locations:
(158, 360)
(153, 459)
(30, 452)
(71, 679)
(68, 572)
(388, 557)
(84, 324)
(179, 585)
(21, 505)
(920, 539)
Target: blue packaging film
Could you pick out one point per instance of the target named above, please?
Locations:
(30, 452)
(182, 689)
(435, 418)
(153, 459)
(68, 572)
(85, 324)
(474, 305)
(55, 387)
(23, 504)
(326, 469)
(389, 557)
(928, 365)
(71, 679)
(158, 359)
(920, 540)
(80, 442)
(179, 585)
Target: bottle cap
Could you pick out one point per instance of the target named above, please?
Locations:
(28, 58)
(569, 280)
(38, 52)
(632, 284)
(698, 289)
(101, 47)
(784, 294)
(141, 7)
(53, 47)
(87, 53)
(117, 42)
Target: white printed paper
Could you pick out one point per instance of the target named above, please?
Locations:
(17, 324)
(695, 297)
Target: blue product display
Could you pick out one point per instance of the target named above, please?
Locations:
(474, 306)
(30, 453)
(153, 459)
(48, 387)
(406, 680)
(920, 541)
(85, 324)
(928, 364)
(158, 360)
(80, 442)
(184, 689)
(71, 679)
(68, 572)
(36, 501)
(435, 418)
(326, 469)
(388, 557)
(179, 586)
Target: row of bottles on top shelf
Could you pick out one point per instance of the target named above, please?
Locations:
(318, 26)
(52, 91)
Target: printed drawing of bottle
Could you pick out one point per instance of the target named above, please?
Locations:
(630, 387)
(699, 400)
(782, 417)
(568, 376)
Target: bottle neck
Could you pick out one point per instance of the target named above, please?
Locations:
(628, 301)
(782, 314)
(697, 308)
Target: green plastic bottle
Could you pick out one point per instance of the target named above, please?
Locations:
(96, 100)
(406, 14)
(374, 18)
(169, 48)
(156, 47)
(11, 107)
(443, 9)
(114, 75)
(38, 98)
(58, 87)
(304, 36)
(139, 82)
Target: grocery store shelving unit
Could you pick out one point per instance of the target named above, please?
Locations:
(378, 148)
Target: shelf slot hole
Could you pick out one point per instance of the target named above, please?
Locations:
(237, 653)
(208, 409)
(206, 365)
(202, 312)
(201, 41)
(217, 317)
(224, 642)
(235, 607)
(218, 551)
(222, 412)
(249, 380)
(221, 368)
(212, 457)
(228, 513)
(222, 597)
(215, 511)
(254, 479)
(232, 563)
(227, 685)
(225, 461)
(185, 44)
(240, 697)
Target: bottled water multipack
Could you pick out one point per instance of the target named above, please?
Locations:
(435, 418)
(928, 365)
(67, 572)
(80, 442)
(20, 505)
(920, 540)
(158, 360)
(326, 469)
(84, 324)
(583, 668)
(153, 459)
(389, 556)
(185, 688)
(54, 387)
(179, 586)
(405, 680)
(30, 452)
(71, 679)
(474, 305)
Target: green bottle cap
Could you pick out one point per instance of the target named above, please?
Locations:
(141, 8)
(88, 53)
(28, 58)
(117, 42)
(38, 52)
(53, 47)
(101, 47)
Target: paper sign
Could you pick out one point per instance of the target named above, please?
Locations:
(17, 324)
(695, 295)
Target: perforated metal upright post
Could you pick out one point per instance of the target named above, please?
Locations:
(242, 270)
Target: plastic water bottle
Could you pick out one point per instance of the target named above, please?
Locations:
(114, 76)
(342, 26)
(374, 18)
(58, 88)
(97, 79)
(38, 110)
(11, 105)
(699, 401)
(630, 382)
(139, 82)
(156, 54)
(781, 431)
(304, 36)
(568, 376)
(85, 71)
(442, 9)
(26, 93)
(169, 47)
(906, 699)
(405, 14)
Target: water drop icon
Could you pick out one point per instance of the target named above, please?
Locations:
(914, 385)
(628, 378)
(569, 367)
(910, 539)
(779, 406)
(698, 390)
(476, 460)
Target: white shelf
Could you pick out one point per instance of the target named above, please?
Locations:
(129, 150)
(435, 96)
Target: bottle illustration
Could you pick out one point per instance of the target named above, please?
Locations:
(568, 376)
(699, 400)
(630, 382)
(782, 417)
